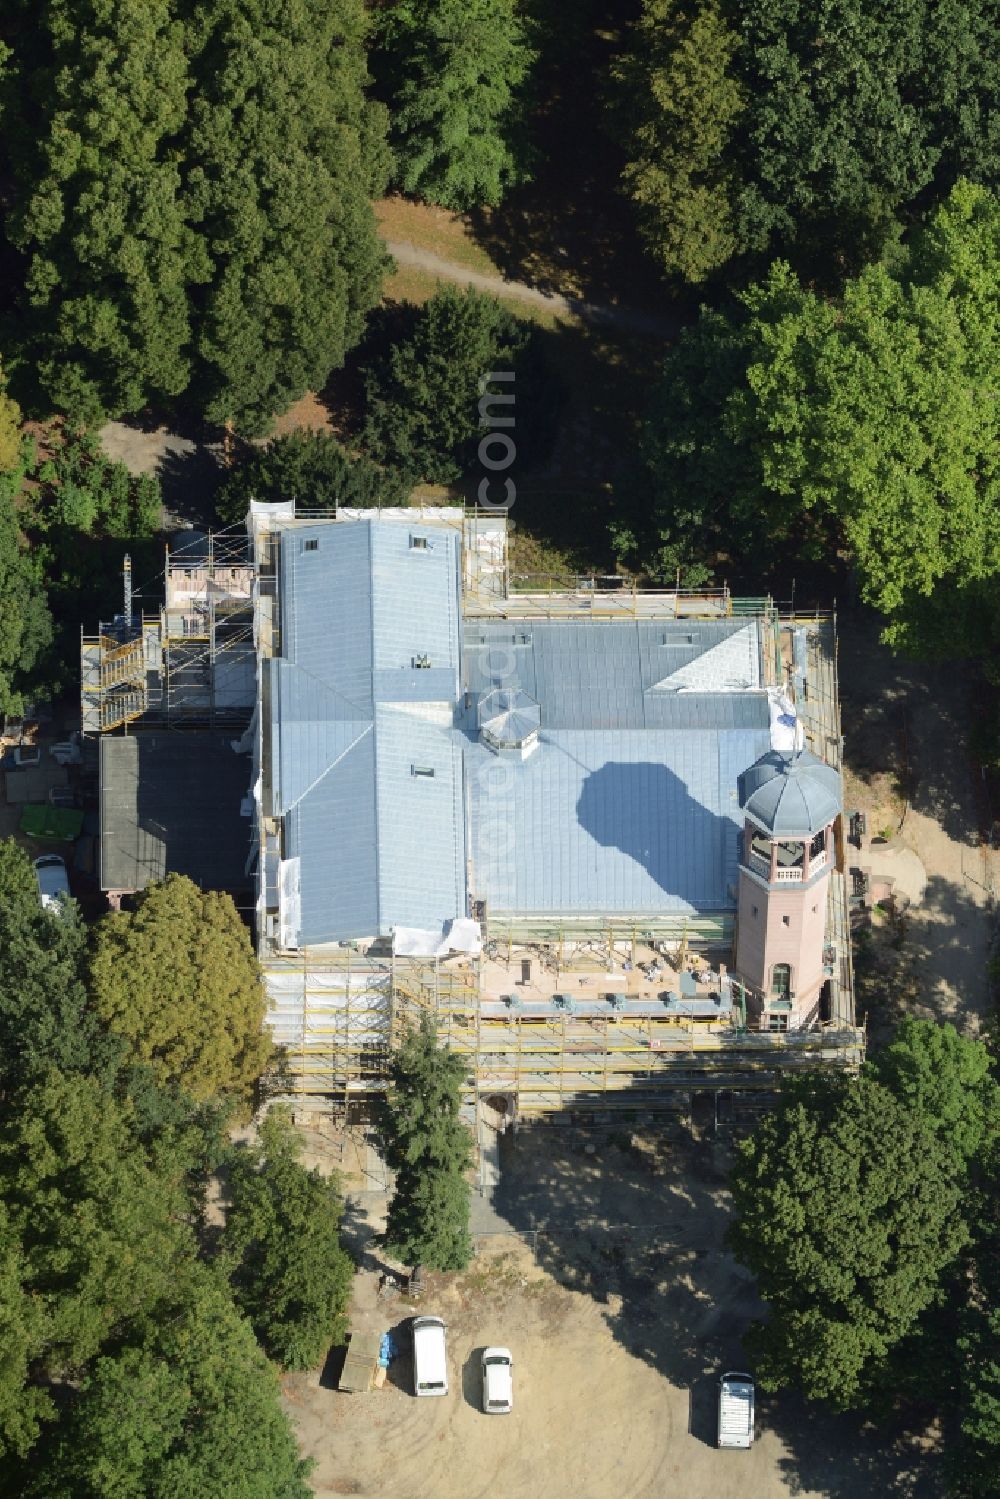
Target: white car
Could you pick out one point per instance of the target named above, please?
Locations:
(498, 1383)
(53, 881)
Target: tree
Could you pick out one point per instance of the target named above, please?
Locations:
(680, 105)
(429, 1149)
(178, 979)
(188, 1405)
(27, 624)
(99, 216)
(944, 1078)
(848, 1212)
(82, 513)
(23, 1405)
(456, 73)
(10, 429)
(868, 424)
(290, 1275)
(424, 392)
(281, 157)
(311, 467)
(93, 1237)
(769, 126)
(45, 1015)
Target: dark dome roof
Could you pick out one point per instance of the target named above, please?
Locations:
(789, 794)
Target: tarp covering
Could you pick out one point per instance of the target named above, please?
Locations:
(460, 935)
(51, 822)
(786, 730)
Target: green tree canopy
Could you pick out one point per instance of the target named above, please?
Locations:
(945, 1078)
(93, 1237)
(848, 1213)
(102, 94)
(424, 391)
(798, 423)
(45, 1016)
(281, 157)
(456, 70)
(311, 467)
(429, 1148)
(26, 629)
(290, 1275)
(768, 125)
(681, 103)
(178, 979)
(187, 1406)
(10, 429)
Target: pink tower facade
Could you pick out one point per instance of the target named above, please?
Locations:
(790, 805)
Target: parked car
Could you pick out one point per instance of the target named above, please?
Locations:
(53, 881)
(430, 1357)
(736, 1398)
(498, 1384)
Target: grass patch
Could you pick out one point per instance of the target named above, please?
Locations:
(446, 234)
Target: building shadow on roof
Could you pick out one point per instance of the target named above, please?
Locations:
(646, 811)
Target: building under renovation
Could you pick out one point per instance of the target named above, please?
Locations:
(596, 832)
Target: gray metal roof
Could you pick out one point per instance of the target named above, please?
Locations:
(611, 821)
(378, 845)
(629, 803)
(617, 674)
(791, 794)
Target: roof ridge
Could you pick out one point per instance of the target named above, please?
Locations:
(369, 728)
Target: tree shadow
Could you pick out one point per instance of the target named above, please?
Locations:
(646, 811)
(189, 480)
(644, 1238)
(570, 229)
(945, 944)
(909, 718)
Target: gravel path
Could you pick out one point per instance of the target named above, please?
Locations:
(626, 319)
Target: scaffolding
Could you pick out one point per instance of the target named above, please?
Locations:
(192, 664)
(588, 1031)
(338, 1014)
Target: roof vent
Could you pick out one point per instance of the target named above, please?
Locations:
(420, 544)
(427, 771)
(422, 662)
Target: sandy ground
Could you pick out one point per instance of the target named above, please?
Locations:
(621, 1307)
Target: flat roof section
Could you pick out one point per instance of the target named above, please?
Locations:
(170, 804)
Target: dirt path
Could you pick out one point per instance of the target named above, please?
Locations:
(626, 319)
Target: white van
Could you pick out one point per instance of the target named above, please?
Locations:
(736, 1410)
(498, 1383)
(430, 1357)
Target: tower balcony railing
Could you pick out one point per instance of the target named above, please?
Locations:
(789, 875)
(759, 864)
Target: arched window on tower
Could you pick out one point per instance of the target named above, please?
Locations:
(781, 981)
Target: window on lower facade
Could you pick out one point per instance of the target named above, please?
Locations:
(777, 1022)
(781, 980)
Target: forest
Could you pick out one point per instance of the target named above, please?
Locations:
(769, 233)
